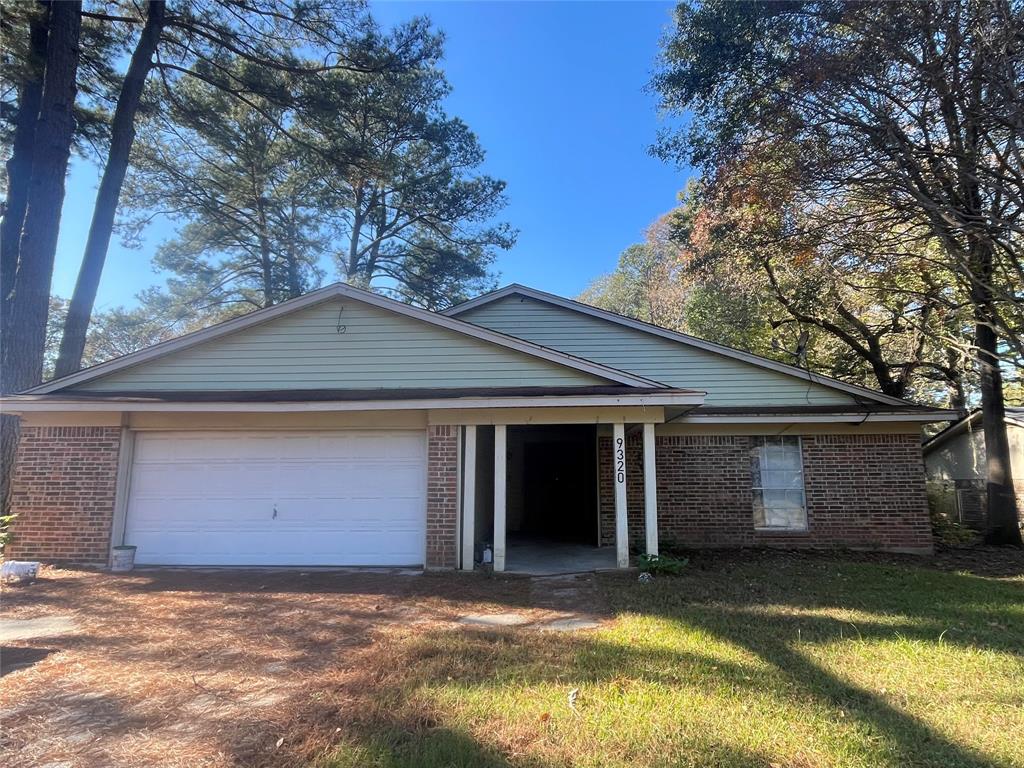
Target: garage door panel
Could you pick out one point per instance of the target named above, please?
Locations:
(342, 447)
(342, 498)
(341, 512)
(365, 543)
(162, 479)
(198, 514)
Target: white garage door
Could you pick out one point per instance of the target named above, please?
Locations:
(278, 498)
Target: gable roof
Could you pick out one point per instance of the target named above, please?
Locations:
(334, 291)
(682, 338)
(1014, 416)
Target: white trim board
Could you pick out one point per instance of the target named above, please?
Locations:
(17, 404)
(820, 418)
(340, 290)
(682, 338)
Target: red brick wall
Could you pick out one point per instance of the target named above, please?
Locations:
(867, 491)
(863, 491)
(442, 495)
(63, 491)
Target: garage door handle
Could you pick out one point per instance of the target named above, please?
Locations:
(274, 516)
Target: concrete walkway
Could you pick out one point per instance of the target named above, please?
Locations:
(12, 630)
(550, 559)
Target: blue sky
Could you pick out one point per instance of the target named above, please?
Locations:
(555, 91)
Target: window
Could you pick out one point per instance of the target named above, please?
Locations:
(777, 474)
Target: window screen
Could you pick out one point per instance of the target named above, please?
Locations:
(777, 474)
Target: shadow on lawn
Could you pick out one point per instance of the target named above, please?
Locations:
(730, 606)
(406, 731)
(747, 607)
(393, 746)
(375, 692)
(401, 722)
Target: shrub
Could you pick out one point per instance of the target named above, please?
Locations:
(662, 564)
(950, 533)
(5, 530)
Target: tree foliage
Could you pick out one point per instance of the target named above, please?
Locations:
(359, 168)
(115, 332)
(413, 213)
(646, 284)
(891, 132)
(245, 197)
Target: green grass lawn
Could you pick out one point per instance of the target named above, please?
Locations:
(764, 661)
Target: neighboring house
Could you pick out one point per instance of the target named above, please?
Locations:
(955, 462)
(344, 428)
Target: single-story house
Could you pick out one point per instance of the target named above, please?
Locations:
(955, 462)
(345, 428)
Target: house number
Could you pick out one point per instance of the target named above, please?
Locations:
(620, 461)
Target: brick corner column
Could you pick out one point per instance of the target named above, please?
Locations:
(442, 495)
(63, 489)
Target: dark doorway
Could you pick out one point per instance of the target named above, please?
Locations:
(558, 482)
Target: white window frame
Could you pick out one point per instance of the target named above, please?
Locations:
(759, 443)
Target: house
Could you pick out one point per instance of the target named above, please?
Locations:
(345, 428)
(955, 464)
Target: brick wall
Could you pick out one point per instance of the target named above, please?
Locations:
(866, 491)
(863, 491)
(442, 495)
(63, 491)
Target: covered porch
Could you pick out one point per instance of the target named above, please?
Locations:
(529, 497)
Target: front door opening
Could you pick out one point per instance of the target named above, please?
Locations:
(558, 488)
(551, 515)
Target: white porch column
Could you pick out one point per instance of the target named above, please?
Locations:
(500, 477)
(619, 477)
(650, 492)
(469, 498)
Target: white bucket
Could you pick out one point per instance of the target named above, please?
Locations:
(18, 571)
(122, 558)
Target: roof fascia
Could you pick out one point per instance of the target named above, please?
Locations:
(18, 404)
(820, 418)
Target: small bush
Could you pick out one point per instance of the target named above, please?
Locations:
(950, 533)
(5, 530)
(662, 564)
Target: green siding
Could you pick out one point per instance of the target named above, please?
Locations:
(728, 381)
(379, 349)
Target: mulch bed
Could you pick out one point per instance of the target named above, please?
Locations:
(188, 668)
(981, 560)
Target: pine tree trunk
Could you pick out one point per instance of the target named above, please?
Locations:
(10, 430)
(19, 165)
(19, 171)
(1002, 525)
(76, 324)
(294, 284)
(25, 334)
(266, 258)
(27, 299)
